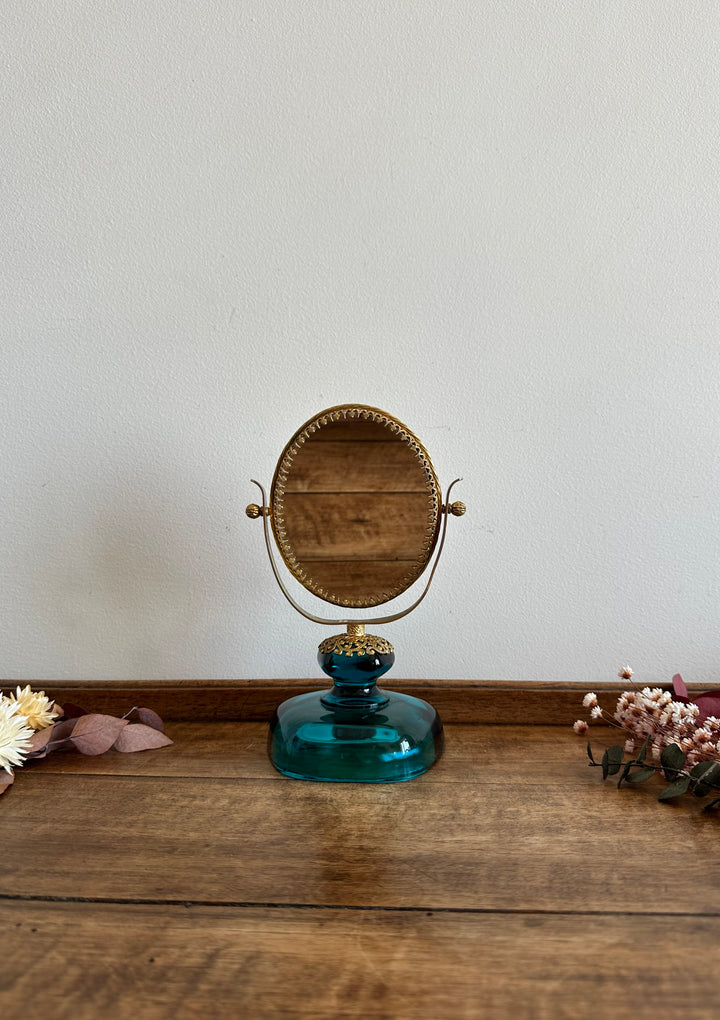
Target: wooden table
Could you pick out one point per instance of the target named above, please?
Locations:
(509, 881)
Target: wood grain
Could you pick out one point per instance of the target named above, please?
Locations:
(348, 579)
(380, 526)
(85, 961)
(490, 836)
(355, 490)
(471, 701)
(356, 466)
(196, 881)
(225, 750)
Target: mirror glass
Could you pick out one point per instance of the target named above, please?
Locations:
(355, 506)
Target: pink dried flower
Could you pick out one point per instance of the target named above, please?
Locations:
(663, 717)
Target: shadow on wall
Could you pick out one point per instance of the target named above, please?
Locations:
(146, 582)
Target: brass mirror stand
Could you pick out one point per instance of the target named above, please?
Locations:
(356, 513)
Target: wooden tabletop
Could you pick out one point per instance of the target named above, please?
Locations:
(509, 881)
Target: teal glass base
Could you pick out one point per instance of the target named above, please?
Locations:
(355, 733)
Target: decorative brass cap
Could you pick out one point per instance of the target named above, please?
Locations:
(355, 644)
(252, 510)
(457, 509)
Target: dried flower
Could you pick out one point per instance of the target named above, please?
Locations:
(26, 712)
(625, 673)
(580, 726)
(680, 737)
(14, 735)
(38, 709)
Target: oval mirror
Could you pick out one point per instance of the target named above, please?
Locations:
(356, 506)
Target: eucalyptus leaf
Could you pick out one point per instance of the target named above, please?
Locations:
(590, 754)
(706, 775)
(612, 760)
(712, 776)
(642, 775)
(672, 760)
(139, 737)
(675, 789)
(643, 750)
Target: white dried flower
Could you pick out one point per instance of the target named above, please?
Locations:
(580, 726)
(590, 700)
(596, 712)
(15, 735)
(625, 673)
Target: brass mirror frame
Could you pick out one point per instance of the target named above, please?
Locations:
(350, 412)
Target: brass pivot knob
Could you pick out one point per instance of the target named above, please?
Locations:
(457, 509)
(253, 511)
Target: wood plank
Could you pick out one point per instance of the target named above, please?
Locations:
(349, 580)
(224, 750)
(357, 467)
(493, 840)
(471, 701)
(85, 961)
(381, 526)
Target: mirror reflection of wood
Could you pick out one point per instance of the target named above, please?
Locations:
(355, 506)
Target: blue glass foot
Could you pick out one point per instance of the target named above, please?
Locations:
(355, 733)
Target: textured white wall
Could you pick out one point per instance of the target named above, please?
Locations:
(498, 221)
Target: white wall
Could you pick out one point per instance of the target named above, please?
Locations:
(498, 221)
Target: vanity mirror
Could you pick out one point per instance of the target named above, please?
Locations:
(357, 514)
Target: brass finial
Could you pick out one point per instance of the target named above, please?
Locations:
(253, 511)
(457, 509)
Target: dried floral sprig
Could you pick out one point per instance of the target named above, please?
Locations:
(678, 734)
(26, 736)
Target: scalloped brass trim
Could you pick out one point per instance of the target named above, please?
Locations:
(349, 412)
(355, 644)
